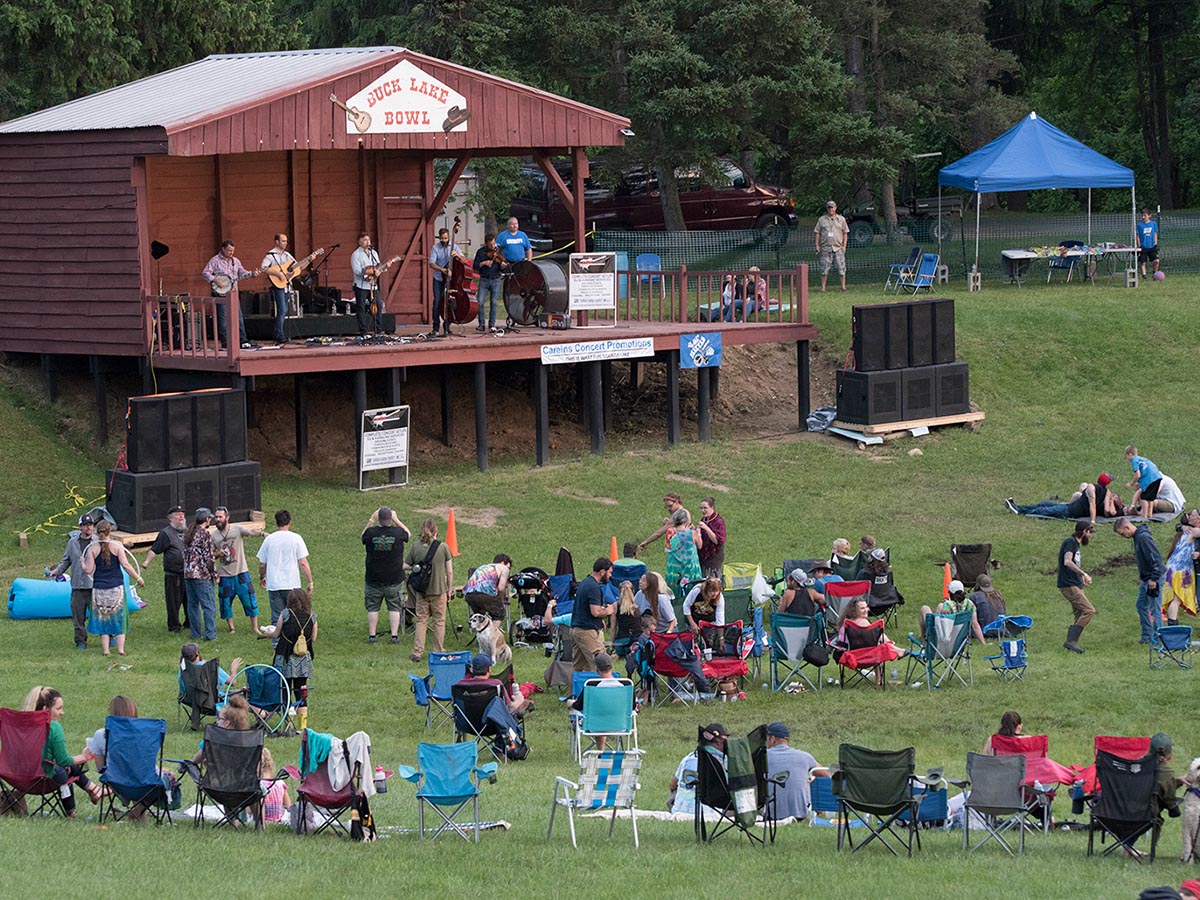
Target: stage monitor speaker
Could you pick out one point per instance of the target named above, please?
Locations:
(180, 452)
(943, 331)
(146, 444)
(868, 398)
(241, 489)
(139, 501)
(199, 487)
(953, 389)
(918, 393)
(869, 328)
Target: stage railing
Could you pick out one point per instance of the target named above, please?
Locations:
(680, 295)
(182, 327)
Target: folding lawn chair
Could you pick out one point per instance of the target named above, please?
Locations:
(737, 786)
(863, 655)
(1006, 627)
(896, 271)
(969, 561)
(579, 680)
(1124, 807)
(22, 737)
(228, 774)
(608, 779)
(447, 779)
(876, 783)
(1171, 644)
(676, 662)
(607, 712)
(823, 802)
(198, 692)
(840, 594)
(933, 806)
(268, 694)
(791, 636)
(921, 278)
(1010, 663)
(133, 763)
(994, 784)
(1041, 772)
(1064, 262)
(315, 792)
(470, 709)
(433, 691)
(850, 568)
(941, 653)
(1129, 748)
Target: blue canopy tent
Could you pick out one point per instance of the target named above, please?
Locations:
(1032, 155)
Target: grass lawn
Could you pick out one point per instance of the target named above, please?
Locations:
(1067, 376)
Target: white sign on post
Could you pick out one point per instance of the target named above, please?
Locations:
(384, 443)
(593, 281)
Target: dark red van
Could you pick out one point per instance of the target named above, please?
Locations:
(633, 202)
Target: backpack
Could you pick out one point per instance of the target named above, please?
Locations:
(300, 647)
(422, 572)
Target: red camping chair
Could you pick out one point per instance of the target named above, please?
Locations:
(674, 673)
(1039, 769)
(863, 653)
(316, 794)
(22, 737)
(839, 595)
(1124, 747)
(723, 668)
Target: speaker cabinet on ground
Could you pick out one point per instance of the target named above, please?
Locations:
(918, 393)
(241, 489)
(868, 398)
(953, 389)
(139, 500)
(199, 487)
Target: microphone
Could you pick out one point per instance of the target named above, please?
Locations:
(335, 246)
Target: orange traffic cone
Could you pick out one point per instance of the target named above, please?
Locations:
(613, 554)
(452, 535)
(946, 577)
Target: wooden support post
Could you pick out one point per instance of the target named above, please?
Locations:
(360, 406)
(714, 383)
(703, 401)
(481, 447)
(300, 393)
(606, 393)
(541, 411)
(635, 374)
(595, 404)
(99, 377)
(581, 394)
(50, 373)
(672, 358)
(395, 375)
(802, 379)
(447, 409)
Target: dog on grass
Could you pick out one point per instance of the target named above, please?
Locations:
(1190, 823)
(491, 639)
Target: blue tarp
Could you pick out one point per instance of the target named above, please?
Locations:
(1034, 154)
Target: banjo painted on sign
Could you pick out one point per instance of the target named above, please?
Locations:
(404, 100)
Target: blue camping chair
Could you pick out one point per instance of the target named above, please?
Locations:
(650, 267)
(920, 278)
(1171, 644)
(1010, 663)
(607, 712)
(447, 779)
(578, 681)
(790, 636)
(434, 690)
(1061, 263)
(607, 780)
(132, 768)
(896, 271)
(1007, 627)
(267, 691)
(822, 801)
(940, 656)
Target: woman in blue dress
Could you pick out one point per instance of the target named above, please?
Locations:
(108, 614)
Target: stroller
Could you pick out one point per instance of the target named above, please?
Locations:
(533, 594)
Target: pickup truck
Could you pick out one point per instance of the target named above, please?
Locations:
(919, 216)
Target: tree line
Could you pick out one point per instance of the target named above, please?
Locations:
(832, 100)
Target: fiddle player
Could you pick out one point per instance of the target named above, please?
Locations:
(222, 273)
(489, 266)
(440, 258)
(364, 263)
(279, 256)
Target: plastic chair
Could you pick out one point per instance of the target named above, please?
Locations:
(1124, 809)
(876, 783)
(434, 690)
(994, 784)
(790, 636)
(1010, 663)
(941, 653)
(607, 780)
(896, 271)
(649, 266)
(448, 778)
(22, 737)
(607, 712)
(133, 763)
(1067, 263)
(920, 279)
(1171, 644)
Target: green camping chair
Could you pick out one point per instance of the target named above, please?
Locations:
(736, 786)
(876, 784)
(943, 651)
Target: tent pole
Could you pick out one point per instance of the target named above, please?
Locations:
(939, 219)
(1089, 238)
(977, 205)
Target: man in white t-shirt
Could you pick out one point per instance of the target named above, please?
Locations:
(281, 558)
(1169, 500)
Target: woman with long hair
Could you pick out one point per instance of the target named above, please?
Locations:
(429, 607)
(626, 621)
(1179, 578)
(296, 619)
(654, 598)
(199, 573)
(108, 613)
(57, 762)
(683, 557)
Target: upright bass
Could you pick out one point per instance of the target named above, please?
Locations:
(459, 301)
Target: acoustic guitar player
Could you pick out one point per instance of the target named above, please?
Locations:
(281, 267)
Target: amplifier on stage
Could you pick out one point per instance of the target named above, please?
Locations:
(554, 320)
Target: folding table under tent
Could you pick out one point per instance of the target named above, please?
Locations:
(1034, 155)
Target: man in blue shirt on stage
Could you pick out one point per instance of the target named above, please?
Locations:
(515, 243)
(1148, 239)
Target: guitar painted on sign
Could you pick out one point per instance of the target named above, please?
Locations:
(360, 119)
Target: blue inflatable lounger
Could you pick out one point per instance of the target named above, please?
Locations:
(39, 598)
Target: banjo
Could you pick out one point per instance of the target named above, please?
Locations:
(223, 284)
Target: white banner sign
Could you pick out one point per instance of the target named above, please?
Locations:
(597, 351)
(384, 439)
(593, 281)
(404, 100)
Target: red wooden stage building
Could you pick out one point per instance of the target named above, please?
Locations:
(244, 146)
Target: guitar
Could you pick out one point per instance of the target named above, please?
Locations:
(359, 118)
(281, 276)
(223, 284)
(374, 273)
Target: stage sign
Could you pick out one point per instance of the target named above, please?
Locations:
(593, 281)
(383, 445)
(596, 351)
(404, 100)
(699, 351)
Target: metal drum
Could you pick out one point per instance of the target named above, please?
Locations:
(535, 289)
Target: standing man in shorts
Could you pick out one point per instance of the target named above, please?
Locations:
(233, 573)
(591, 612)
(832, 234)
(1072, 580)
(384, 539)
(1148, 242)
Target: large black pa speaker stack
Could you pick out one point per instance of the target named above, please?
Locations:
(186, 430)
(139, 500)
(904, 364)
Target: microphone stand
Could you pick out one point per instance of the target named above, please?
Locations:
(323, 274)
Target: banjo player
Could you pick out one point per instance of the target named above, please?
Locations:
(223, 272)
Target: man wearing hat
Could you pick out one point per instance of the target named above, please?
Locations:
(81, 581)
(481, 674)
(683, 784)
(831, 235)
(1165, 782)
(957, 602)
(822, 574)
(384, 539)
(169, 545)
(1091, 499)
(800, 599)
(792, 798)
